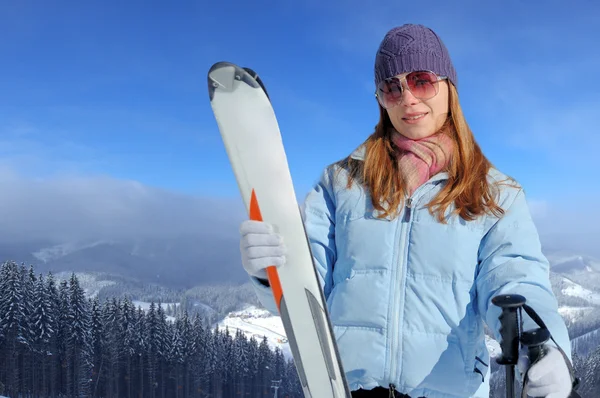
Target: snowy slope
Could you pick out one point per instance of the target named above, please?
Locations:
(574, 314)
(575, 290)
(583, 270)
(88, 281)
(50, 253)
(145, 306)
(257, 322)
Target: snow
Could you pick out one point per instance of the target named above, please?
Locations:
(145, 306)
(57, 251)
(493, 347)
(575, 290)
(257, 322)
(88, 282)
(573, 313)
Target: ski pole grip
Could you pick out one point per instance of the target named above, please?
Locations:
(534, 340)
(509, 327)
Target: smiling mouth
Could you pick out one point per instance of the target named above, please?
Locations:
(415, 117)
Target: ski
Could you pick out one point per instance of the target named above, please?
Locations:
(253, 142)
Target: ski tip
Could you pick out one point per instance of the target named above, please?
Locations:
(225, 76)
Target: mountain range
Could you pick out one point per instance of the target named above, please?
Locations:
(179, 262)
(575, 280)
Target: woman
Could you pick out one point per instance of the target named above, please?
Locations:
(413, 234)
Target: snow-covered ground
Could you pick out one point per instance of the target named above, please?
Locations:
(574, 314)
(145, 306)
(88, 281)
(575, 290)
(257, 322)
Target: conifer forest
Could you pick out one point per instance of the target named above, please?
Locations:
(55, 342)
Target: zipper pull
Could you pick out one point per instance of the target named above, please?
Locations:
(408, 209)
(392, 390)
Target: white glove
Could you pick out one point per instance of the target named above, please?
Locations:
(549, 377)
(260, 247)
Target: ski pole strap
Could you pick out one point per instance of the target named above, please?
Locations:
(574, 380)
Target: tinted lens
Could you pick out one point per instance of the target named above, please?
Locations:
(421, 84)
(389, 92)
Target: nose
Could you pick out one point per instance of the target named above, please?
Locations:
(407, 98)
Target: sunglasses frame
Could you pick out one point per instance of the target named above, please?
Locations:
(403, 80)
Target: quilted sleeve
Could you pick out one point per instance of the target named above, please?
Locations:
(511, 262)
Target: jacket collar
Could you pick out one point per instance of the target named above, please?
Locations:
(359, 153)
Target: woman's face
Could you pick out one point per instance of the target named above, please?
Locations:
(415, 118)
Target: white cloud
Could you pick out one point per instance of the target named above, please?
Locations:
(572, 225)
(87, 208)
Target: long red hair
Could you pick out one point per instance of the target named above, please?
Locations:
(467, 186)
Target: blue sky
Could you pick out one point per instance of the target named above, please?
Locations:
(119, 88)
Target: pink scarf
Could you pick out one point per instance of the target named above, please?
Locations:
(419, 160)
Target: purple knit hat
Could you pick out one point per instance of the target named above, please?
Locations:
(412, 47)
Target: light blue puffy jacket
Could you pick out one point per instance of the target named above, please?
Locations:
(408, 297)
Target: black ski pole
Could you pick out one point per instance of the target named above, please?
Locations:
(509, 333)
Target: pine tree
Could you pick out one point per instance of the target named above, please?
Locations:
(175, 354)
(98, 349)
(265, 366)
(198, 358)
(162, 339)
(292, 385)
(590, 376)
(227, 362)
(142, 348)
(129, 322)
(63, 332)
(29, 368)
(44, 330)
(112, 352)
(52, 353)
(12, 325)
(241, 362)
(79, 347)
(153, 348)
(253, 365)
(188, 348)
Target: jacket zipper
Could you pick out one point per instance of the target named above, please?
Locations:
(392, 393)
(397, 286)
(398, 283)
(408, 212)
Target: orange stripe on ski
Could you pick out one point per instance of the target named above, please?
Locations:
(255, 214)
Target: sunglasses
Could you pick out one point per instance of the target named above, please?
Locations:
(422, 85)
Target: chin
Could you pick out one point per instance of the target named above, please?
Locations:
(416, 134)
